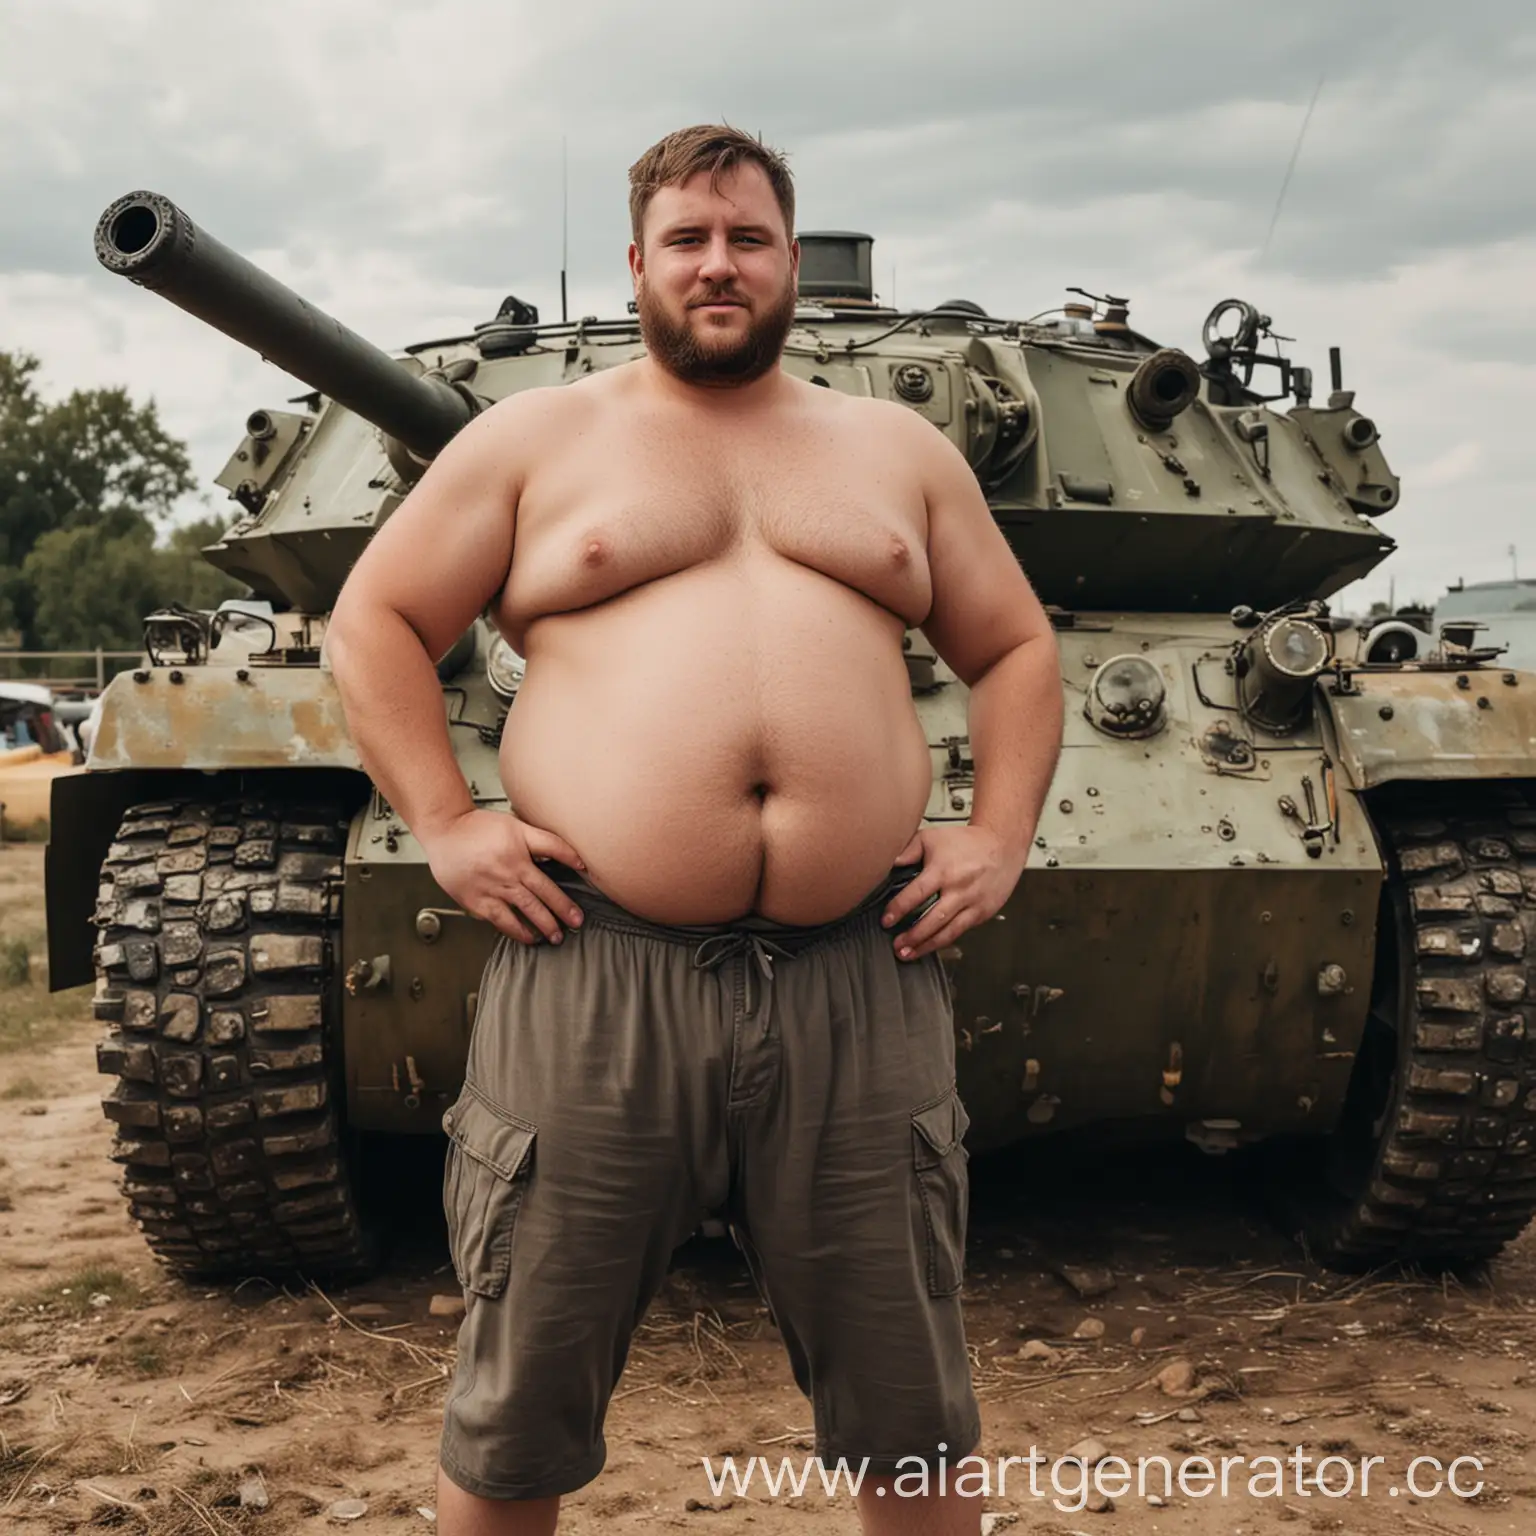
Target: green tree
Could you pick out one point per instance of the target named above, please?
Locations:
(186, 577)
(89, 586)
(93, 466)
(92, 586)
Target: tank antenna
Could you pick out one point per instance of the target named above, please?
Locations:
(1285, 180)
(565, 227)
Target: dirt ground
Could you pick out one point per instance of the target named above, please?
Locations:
(130, 1400)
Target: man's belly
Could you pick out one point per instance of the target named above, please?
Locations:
(728, 740)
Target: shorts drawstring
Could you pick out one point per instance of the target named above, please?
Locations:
(719, 947)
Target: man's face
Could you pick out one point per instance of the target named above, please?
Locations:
(715, 278)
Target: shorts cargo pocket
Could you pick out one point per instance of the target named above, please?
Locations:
(939, 1165)
(490, 1160)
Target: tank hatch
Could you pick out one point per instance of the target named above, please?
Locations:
(835, 265)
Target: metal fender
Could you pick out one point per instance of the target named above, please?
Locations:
(222, 717)
(1476, 724)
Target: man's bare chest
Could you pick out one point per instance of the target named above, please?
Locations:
(599, 522)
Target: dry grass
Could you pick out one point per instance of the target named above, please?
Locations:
(308, 1369)
(31, 1015)
(205, 1503)
(214, 1508)
(15, 962)
(680, 1353)
(145, 1355)
(268, 1390)
(70, 1296)
(35, 831)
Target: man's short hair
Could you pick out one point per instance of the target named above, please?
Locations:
(711, 147)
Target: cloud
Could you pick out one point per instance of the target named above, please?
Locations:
(1449, 468)
(400, 163)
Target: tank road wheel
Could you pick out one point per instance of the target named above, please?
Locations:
(217, 925)
(1434, 1160)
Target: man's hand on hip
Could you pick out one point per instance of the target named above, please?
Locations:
(972, 872)
(484, 860)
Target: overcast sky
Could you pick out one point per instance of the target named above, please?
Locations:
(400, 163)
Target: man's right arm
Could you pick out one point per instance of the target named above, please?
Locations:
(435, 564)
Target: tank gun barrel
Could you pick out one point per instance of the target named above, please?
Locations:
(146, 238)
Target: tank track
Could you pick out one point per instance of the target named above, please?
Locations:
(214, 960)
(1451, 1117)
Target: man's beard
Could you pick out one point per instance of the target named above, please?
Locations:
(676, 346)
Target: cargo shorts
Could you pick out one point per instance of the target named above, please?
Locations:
(630, 1081)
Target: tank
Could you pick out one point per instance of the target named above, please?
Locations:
(1280, 896)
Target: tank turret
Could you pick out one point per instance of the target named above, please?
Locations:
(148, 239)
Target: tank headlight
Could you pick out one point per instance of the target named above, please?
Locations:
(1295, 647)
(504, 669)
(1126, 697)
(1276, 666)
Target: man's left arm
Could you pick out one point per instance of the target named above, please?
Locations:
(988, 626)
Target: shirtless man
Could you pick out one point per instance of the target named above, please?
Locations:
(711, 994)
